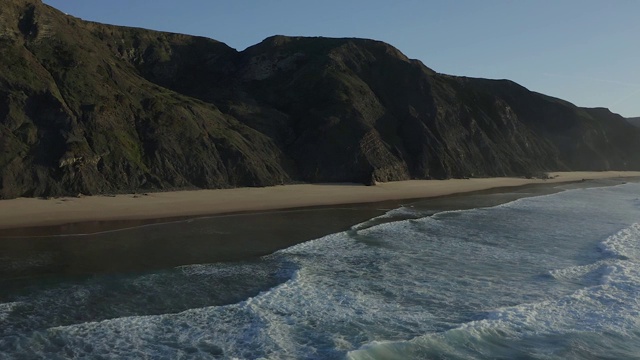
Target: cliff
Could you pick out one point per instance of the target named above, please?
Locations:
(634, 121)
(92, 108)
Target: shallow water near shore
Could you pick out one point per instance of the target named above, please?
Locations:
(553, 276)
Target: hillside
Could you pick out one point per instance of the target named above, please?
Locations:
(635, 121)
(91, 108)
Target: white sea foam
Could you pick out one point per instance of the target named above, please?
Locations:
(610, 305)
(6, 309)
(399, 213)
(583, 274)
(464, 284)
(625, 244)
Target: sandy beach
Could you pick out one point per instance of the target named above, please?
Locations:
(68, 236)
(29, 212)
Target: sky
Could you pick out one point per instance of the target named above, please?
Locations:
(583, 51)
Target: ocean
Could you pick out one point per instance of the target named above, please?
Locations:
(555, 276)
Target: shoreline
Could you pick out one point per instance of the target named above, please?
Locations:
(104, 247)
(23, 213)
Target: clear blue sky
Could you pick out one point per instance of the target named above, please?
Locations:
(583, 51)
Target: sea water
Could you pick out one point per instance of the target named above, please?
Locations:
(548, 277)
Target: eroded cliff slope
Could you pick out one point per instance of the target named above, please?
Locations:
(91, 108)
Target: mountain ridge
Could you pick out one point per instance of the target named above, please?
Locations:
(93, 108)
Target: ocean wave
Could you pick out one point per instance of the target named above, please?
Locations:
(463, 284)
(399, 214)
(608, 304)
(625, 244)
(578, 323)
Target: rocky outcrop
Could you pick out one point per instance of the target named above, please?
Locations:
(92, 108)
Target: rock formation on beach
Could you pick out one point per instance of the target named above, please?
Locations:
(91, 108)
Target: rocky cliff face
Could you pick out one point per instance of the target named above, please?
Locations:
(91, 108)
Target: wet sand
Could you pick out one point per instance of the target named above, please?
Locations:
(30, 213)
(137, 246)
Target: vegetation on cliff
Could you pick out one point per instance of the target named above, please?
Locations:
(92, 108)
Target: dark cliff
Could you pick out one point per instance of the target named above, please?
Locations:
(91, 108)
(635, 121)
